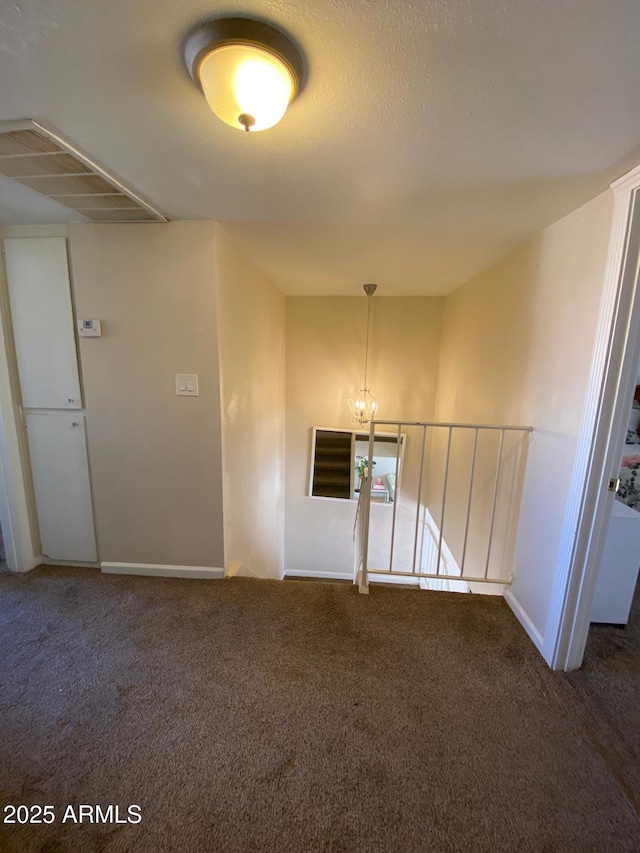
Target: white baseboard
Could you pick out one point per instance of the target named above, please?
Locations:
(333, 576)
(239, 570)
(154, 570)
(30, 562)
(26, 564)
(479, 588)
(522, 617)
(74, 564)
(399, 579)
(343, 576)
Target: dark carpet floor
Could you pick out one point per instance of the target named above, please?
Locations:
(607, 693)
(264, 716)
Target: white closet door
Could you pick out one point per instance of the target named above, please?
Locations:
(42, 318)
(58, 450)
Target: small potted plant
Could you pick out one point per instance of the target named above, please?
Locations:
(362, 467)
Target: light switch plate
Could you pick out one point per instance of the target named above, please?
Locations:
(89, 328)
(187, 384)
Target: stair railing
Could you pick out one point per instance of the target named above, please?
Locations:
(424, 524)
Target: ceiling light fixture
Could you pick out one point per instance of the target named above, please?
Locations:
(248, 71)
(363, 406)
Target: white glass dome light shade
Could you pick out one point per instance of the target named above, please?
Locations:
(248, 70)
(247, 87)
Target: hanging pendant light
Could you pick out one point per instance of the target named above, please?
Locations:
(363, 406)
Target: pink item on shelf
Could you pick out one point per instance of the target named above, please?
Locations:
(378, 484)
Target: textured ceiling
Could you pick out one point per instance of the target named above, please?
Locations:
(431, 136)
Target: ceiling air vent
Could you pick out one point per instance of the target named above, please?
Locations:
(39, 159)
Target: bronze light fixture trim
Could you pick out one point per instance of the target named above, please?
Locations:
(248, 70)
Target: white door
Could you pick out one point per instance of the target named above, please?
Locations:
(58, 450)
(42, 320)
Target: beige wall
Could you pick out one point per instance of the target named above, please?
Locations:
(516, 348)
(155, 458)
(512, 346)
(251, 331)
(325, 350)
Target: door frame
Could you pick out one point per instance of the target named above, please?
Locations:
(16, 517)
(603, 428)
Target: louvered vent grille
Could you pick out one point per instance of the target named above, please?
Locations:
(38, 159)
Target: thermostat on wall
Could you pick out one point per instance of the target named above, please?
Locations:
(89, 328)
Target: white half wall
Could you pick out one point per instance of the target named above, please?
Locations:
(251, 333)
(516, 348)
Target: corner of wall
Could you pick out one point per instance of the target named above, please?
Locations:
(524, 619)
(251, 357)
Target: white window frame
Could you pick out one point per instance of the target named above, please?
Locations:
(354, 433)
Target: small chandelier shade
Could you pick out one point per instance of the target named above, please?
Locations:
(364, 406)
(248, 71)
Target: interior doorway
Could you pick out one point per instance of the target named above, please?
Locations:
(604, 691)
(618, 573)
(595, 518)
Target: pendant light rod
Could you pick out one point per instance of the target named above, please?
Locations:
(363, 406)
(369, 289)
